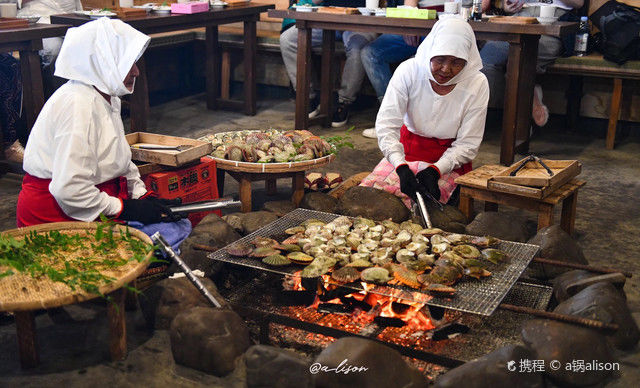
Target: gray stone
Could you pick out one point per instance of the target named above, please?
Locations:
(564, 343)
(555, 244)
(492, 370)
(449, 218)
(234, 220)
(209, 340)
(212, 231)
(270, 367)
(319, 201)
(163, 301)
(372, 203)
(280, 208)
(603, 302)
(499, 225)
(341, 365)
(570, 283)
(255, 220)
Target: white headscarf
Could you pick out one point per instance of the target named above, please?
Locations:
(101, 53)
(451, 36)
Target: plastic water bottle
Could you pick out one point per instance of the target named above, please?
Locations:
(582, 38)
(476, 10)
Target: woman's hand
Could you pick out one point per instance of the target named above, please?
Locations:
(428, 178)
(512, 6)
(408, 182)
(146, 211)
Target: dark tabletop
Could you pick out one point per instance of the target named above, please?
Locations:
(34, 31)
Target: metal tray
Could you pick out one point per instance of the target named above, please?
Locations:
(473, 296)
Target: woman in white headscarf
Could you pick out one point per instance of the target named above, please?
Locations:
(431, 120)
(77, 160)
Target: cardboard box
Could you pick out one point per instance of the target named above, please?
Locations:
(197, 150)
(411, 13)
(192, 184)
(189, 8)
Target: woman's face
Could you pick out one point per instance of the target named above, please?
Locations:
(130, 79)
(445, 67)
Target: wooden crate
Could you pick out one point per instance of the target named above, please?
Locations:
(164, 157)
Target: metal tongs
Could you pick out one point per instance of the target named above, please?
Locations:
(166, 248)
(531, 158)
(422, 208)
(194, 207)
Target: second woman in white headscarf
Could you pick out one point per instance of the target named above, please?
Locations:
(431, 120)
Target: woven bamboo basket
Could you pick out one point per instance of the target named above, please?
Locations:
(231, 165)
(21, 292)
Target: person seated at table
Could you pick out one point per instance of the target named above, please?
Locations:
(495, 54)
(44, 9)
(388, 49)
(432, 117)
(77, 161)
(10, 107)
(352, 73)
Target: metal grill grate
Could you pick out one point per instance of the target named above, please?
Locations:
(477, 297)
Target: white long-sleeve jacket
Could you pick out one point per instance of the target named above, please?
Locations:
(410, 100)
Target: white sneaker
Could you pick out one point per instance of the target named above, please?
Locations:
(15, 152)
(370, 133)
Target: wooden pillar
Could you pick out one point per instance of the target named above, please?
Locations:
(568, 215)
(117, 325)
(303, 75)
(327, 75)
(245, 193)
(545, 215)
(212, 55)
(139, 107)
(614, 112)
(27, 339)
(298, 188)
(250, 50)
(270, 186)
(32, 88)
(466, 203)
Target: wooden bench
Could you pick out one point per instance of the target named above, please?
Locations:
(595, 65)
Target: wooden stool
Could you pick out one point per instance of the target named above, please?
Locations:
(473, 186)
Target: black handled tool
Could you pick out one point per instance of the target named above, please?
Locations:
(531, 158)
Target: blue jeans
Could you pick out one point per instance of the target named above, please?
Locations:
(379, 54)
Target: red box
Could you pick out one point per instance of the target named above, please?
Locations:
(192, 184)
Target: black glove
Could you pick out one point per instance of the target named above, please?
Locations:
(408, 182)
(428, 178)
(146, 211)
(167, 202)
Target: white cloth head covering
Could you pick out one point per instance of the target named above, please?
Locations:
(101, 53)
(451, 36)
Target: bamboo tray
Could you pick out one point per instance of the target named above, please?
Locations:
(514, 20)
(20, 292)
(533, 180)
(339, 10)
(231, 165)
(167, 158)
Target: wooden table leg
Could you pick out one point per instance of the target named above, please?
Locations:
(220, 182)
(466, 204)
(327, 76)
(270, 186)
(139, 107)
(490, 206)
(32, 88)
(212, 74)
(298, 187)
(245, 194)
(545, 215)
(526, 83)
(250, 49)
(568, 215)
(303, 76)
(614, 112)
(117, 325)
(27, 339)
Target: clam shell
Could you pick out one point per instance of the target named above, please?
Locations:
(440, 289)
(485, 242)
(293, 239)
(467, 251)
(406, 276)
(439, 248)
(404, 255)
(360, 263)
(345, 275)
(411, 227)
(494, 255)
(375, 275)
(289, 247)
(417, 247)
(430, 231)
(457, 239)
(438, 239)
(474, 263)
(313, 221)
(300, 258)
(276, 260)
(476, 272)
(295, 230)
(360, 256)
(264, 242)
(264, 252)
(313, 271)
(239, 250)
(446, 275)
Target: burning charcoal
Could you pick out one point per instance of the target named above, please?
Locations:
(443, 332)
(389, 321)
(355, 303)
(334, 308)
(436, 312)
(296, 298)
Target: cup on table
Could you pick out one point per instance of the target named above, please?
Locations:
(547, 11)
(126, 3)
(372, 4)
(451, 7)
(8, 10)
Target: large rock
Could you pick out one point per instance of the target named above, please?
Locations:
(270, 367)
(372, 203)
(555, 244)
(450, 218)
(564, 343)
(235, 221)
(255, 220)
(570, 283)
(356, 362)
(163, 301)
(213, 232)
(500, 368)
(209, 340)
(320, 202)
(499, 225)
(603, 302)
(280, 208)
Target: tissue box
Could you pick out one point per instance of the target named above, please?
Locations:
(189, 7)
(411, 13)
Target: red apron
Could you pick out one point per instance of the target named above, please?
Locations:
(36, 205)
(427, 149)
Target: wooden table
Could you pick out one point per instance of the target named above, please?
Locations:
(28, 41)
(473, 185)
(153, 23)
(521, 68)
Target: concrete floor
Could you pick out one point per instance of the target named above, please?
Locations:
(607, 228)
